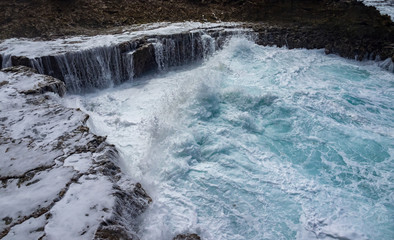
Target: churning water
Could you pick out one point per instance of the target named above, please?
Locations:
(258, 143)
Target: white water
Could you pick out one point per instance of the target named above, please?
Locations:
(258, 143)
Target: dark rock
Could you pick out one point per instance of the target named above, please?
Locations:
(189, 236)
(129, 205)
(112, 232)
(3, 83)
(332, 40)
(7, 220)
(144, 60)
(20, 61)
(19, 69)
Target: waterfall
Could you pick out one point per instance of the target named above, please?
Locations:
(101, 66)
(98, 68)
(95, 68)
(387, 64)
(106, 66)
(182, 49)
(5, 61)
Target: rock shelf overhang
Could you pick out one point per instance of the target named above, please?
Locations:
(85, 63)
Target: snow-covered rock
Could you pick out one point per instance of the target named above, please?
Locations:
(58, 180)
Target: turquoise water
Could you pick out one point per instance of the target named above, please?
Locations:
(259, 143)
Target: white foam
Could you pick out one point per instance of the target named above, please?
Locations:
(211, 145)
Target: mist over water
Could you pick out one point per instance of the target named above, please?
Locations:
(258, 143)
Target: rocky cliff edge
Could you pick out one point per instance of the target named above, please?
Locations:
(58, 180)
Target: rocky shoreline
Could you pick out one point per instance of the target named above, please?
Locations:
(58, 180)
(50, 157)
(52, 163)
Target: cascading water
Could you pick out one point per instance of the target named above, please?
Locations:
(100, 67)
(180, 50)
(96, 68)
(257, 143)
(6, 61)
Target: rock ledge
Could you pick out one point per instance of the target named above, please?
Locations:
(58, 180)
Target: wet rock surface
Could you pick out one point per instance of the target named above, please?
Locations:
(58, 180)
(344, 44)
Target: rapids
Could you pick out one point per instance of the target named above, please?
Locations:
(258, 143)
